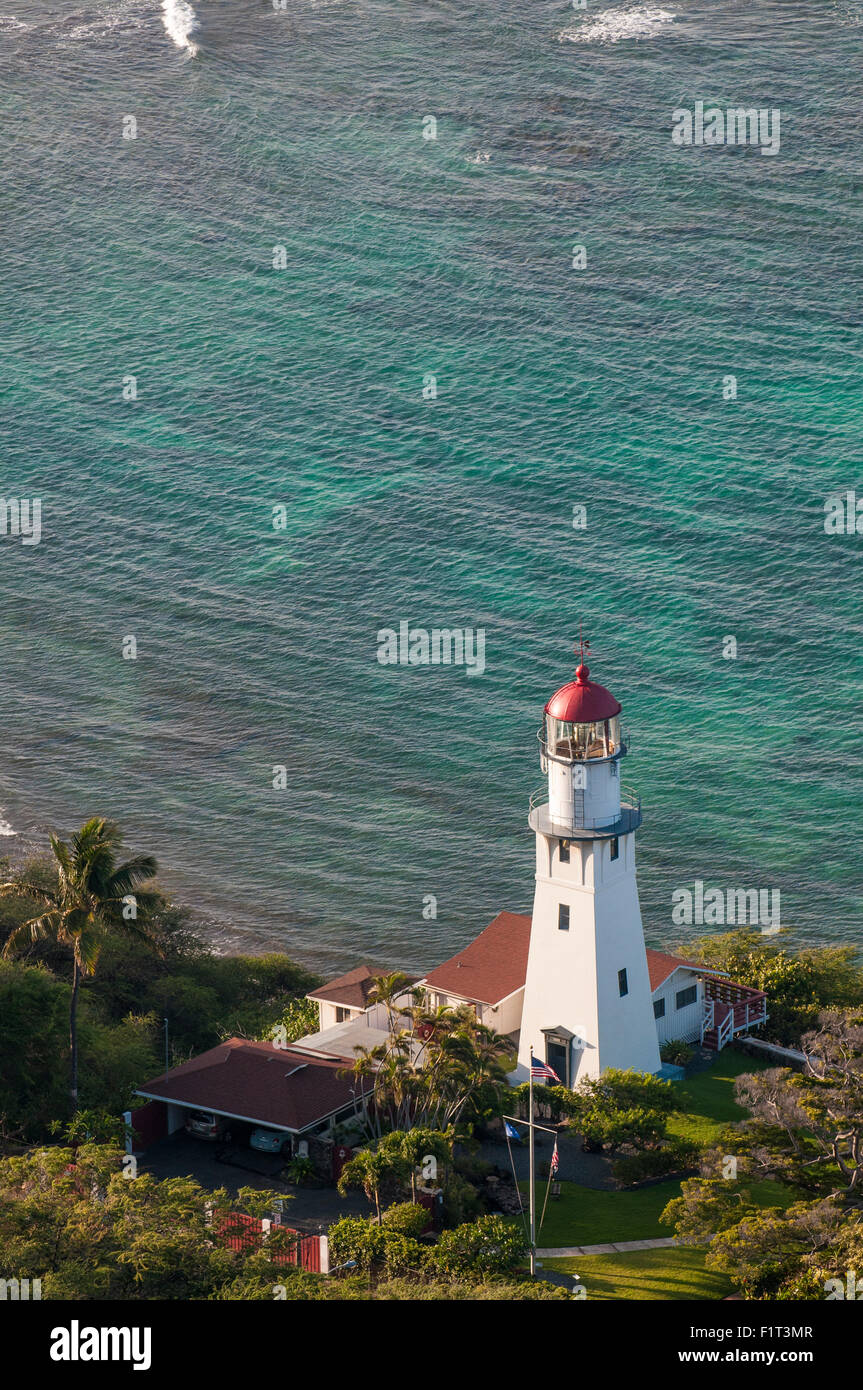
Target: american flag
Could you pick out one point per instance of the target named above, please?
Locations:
(541, 1071)
(555, 1161)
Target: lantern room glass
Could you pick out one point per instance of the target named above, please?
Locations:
(598, 739)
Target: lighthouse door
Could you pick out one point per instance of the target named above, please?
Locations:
(557, 1057)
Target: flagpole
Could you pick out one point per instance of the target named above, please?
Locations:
(552, 1173)
(532, 1186)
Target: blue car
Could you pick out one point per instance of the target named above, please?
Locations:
(270, 1141)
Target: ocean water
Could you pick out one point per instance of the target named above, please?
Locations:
(302, 387)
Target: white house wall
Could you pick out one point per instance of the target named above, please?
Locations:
(328, 1015)
(680, 1025)
(504, 1017)
(176, 1116)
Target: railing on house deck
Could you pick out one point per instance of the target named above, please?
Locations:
(730, 1009)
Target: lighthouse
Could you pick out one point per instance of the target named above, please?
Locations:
(587, 998)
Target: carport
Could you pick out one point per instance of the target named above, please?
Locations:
(250, 1085)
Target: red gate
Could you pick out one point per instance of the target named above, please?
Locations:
(242, 1232)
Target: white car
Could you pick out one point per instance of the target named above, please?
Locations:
(203, 1124)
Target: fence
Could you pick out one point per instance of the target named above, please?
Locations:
(241, 1232)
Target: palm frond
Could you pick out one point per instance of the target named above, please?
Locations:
(29, 890)
(124, 879)
(38, 929)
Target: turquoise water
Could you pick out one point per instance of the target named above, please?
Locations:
(302, 387)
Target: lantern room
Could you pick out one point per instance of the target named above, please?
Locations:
(582, 720)
(581, 752)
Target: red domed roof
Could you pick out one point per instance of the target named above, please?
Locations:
(582, 701)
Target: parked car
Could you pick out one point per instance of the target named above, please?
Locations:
(270, 1141)
(203, 1124)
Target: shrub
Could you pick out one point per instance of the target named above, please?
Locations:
(507, 1291)
(621, 1108)
(378, 1248)
(472, 1167)
(489, 1245)
(461, 1201)
(300, 1170)
(656, 1163)
(549, 1102)
(676, 1052)
(406, 1218)
(354, 1238)
(402, 1255)
(299, 1018)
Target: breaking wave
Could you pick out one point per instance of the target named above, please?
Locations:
(611, 26)
(180, 23)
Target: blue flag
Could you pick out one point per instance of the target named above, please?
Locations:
(511, 1131)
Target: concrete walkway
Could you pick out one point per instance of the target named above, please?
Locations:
(565, 1252)
(767, 1049)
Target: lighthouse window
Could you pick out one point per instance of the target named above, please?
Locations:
(621, 983)
(615, 848)
(684, 997)
(563, 851)
(563, 917)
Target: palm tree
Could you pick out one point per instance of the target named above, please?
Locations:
(417, 1145)
(391, 991)
(369, 1171)
(90, 902)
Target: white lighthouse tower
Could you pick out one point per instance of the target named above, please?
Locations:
(587, 999)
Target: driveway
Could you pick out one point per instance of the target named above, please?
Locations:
(309, 1209)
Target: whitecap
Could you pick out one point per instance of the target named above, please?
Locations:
(481, 157)
(6, 829)
(181, 23)
(8, 24)
(610, 26)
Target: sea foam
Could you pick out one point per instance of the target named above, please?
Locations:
(610, 26)
(181, 23)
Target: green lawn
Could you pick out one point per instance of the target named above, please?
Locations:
(708, 1098)
(645, 1274)
(583, 1216)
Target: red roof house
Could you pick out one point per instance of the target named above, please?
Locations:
(489, 973)
(259, 1083)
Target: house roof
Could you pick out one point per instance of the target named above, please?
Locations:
(488, 969)
(256, 1081)
(352, 989)
(495, 964)
(491, 967)
(660, 965)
